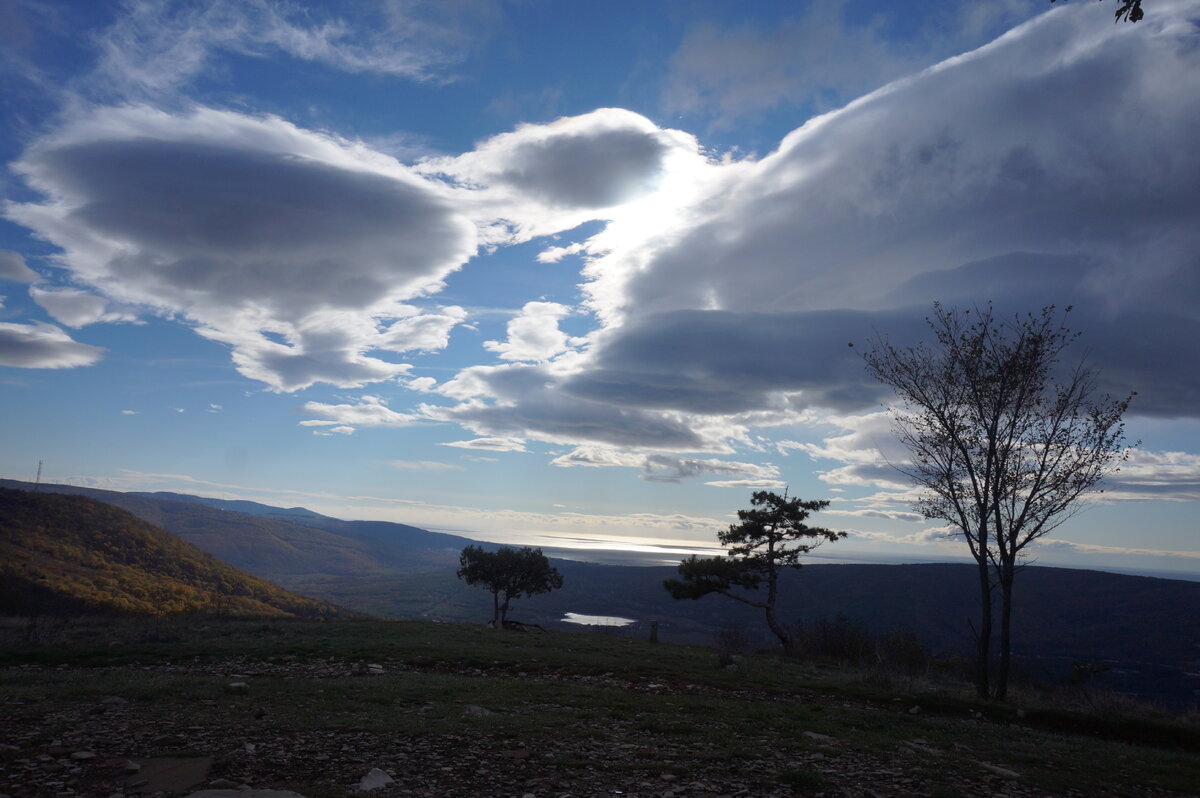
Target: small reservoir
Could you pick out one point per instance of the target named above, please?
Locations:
(596, 620)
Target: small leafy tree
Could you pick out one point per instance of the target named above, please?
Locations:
(760, 547)
(508, 573)
(1004, 442)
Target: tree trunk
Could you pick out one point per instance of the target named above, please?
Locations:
(504, 609)
(780, 632)
(1006, 585)
(983, 634)
(495, 608)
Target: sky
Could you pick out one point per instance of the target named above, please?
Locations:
(584, 274)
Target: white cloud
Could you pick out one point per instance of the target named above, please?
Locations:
(12, 267)
(889, 515)
(129, 412)
(555, 254)
(869, 440)
(668, 468)
(1149, 475)
(1052, 545)
(544, 179)
(370, 411)
(490, 444)
(421, 384)
(665, 468)
(293, 247)
(816, 57)
(422, 332)
(941, 537)
(525, 401)
(750, 484)
(990, 176)
(599, 457)
(534, 334)
(339, 429)
(43, 346)
(423, 465)
(214, 407)
(873, 457)
(156, 46)
(76, 308)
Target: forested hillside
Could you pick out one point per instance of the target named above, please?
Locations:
(61, 553)
(284, 546)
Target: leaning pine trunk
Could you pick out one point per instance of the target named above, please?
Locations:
(772, 589)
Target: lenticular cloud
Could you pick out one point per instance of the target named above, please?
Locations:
(247, 226)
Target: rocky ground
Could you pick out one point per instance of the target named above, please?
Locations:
(113, 746)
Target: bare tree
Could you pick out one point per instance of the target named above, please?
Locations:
(758, 550)
(1004, 440)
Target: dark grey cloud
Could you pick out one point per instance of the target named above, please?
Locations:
(665, 468)
(1055, 165)
(543, 179)
(294, 248)
(1053, 140)
(722, 362)
(524, 402)
(585, 170)
(43, 346)
(253, 228)
(12, 267)
(1150, 346)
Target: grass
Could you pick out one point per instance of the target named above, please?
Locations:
(669, 710)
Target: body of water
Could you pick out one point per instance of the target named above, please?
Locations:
(596, 620)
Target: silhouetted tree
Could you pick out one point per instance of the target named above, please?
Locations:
(508, 573)
(764, 543)
(1129, 10)
(1004, 441)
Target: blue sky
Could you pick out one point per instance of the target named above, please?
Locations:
(583, 273)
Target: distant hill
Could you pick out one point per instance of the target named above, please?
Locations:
(237, 505)
(285, 546)
(62, 553)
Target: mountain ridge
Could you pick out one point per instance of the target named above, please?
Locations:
(67, 554)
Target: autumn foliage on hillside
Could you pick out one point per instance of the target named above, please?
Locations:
(62, 553)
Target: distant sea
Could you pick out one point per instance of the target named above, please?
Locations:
(657, 558)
